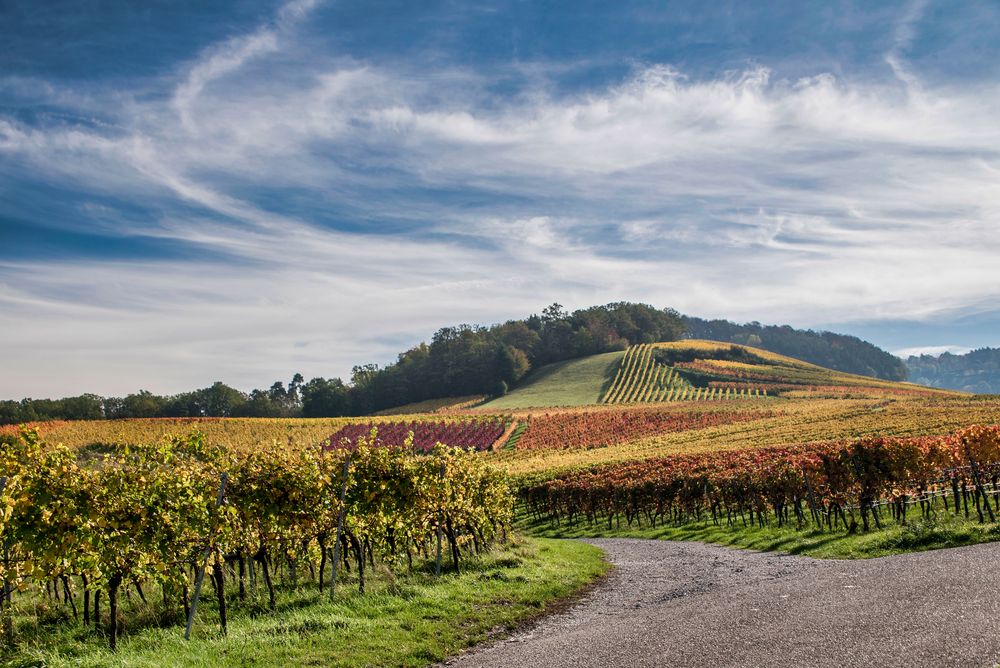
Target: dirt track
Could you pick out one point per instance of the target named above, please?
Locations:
(692, 605)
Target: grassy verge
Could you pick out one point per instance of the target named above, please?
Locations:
(916, 536)
(408, 619)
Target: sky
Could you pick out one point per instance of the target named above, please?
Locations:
(194, 191)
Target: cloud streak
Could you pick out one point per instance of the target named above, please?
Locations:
(344, 209)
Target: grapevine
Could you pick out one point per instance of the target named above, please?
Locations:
(156, 514)
(827, 484)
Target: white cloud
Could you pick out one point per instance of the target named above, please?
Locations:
(934, 351)
(906, 32)
(744, 196)
(226, 59)
(234, 53)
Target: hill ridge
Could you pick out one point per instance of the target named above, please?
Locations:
(689, 370)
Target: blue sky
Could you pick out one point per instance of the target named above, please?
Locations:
(193, 191)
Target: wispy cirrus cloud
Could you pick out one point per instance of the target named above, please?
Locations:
(904, 35)
(226, 58)
(337, 209)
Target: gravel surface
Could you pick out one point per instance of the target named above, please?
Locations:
(689, 604)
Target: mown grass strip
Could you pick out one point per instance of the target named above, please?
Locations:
(917, 536)
(406, 619)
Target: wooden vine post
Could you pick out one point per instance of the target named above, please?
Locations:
(5, 607)
(979, 485)
(812, 499)
(437, 568)
(340, 524)
(200, 577)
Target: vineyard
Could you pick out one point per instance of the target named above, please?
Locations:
(242, 434)
(479, 434)
(92, 511)
(161, 516)
(826, 485)
(792, 421)
(609, 427)
(642, 378)
(543, 445)
(710, 371)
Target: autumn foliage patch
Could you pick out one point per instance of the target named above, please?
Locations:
(156, 514)
(479, 434)
(614, 426)
(822, 484)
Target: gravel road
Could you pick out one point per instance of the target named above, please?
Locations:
(692, 605)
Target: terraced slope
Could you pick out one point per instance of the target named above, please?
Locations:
(689, 370)
(643, 378)
(700, 370)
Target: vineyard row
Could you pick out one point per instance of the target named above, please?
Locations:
(479, 434)
(817, 484)
(640, 379)
(164, 514)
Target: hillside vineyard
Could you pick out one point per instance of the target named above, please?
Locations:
(673, 434)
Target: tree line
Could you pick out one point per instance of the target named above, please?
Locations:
(839, 352)
(467, 360)
(975, 371)
(217, 400)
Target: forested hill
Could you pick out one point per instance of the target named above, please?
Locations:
(976, 371)
(474, 359)
(467, 360)
(839, 352)
(470, 360)
(458, 361)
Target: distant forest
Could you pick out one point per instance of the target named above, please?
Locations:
(976, 371)
(839, 352)
(465, 360)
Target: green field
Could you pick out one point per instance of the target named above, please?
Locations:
(571, 383)
(406, 619)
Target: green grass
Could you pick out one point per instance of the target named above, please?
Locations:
(917, 536)
(408, 619)
(570, 383)
(515, 436)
